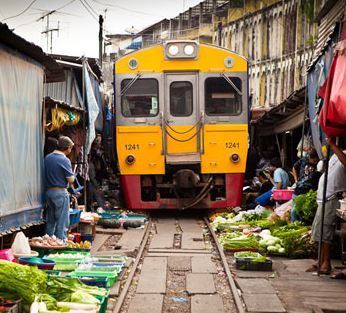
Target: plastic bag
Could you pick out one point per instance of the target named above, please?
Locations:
(21, 244)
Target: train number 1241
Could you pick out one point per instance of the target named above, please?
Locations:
(231, 145)
(130, 147)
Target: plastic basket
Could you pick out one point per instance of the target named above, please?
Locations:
(249, 265)
(75, 216)
(41, 263)
(6, 254)
(53, 273)
(108, 259)
(282, 194)
(100, 268)
(103, 302)
(108, 214)
(100, 282)
(112, 277)
(63, 265)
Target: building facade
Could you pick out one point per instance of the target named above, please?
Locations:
(277, 37)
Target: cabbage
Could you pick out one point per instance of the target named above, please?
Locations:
(272, 249)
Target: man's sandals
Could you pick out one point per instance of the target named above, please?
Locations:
(314, 268)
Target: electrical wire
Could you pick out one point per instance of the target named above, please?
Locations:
(90, 7)
(52, 11)
(90, 12)
(26, 9)
(126, 9)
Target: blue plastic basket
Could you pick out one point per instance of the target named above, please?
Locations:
(75, 217)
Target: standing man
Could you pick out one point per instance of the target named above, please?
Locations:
(59, 174)
(336, 183)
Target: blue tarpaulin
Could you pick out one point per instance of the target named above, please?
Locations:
(92, 107)
(21, 148)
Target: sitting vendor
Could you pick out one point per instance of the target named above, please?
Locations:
(281, 181)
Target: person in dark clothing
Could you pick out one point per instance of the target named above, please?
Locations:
(304, 166)
(266, 185)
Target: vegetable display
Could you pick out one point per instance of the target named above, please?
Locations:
(243, 232)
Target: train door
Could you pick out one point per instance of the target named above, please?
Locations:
(181, 118)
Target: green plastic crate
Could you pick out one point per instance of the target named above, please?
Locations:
(53, 273)
(63, 265)
(103, 302)
(112, 277)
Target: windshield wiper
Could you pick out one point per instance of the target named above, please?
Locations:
(231, 83)
(128, 86)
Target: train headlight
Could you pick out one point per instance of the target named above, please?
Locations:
(235, 158)
(130, 159)
(173, 50)
(189, 49)
(184, 49)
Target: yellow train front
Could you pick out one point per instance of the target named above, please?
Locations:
(181, 126)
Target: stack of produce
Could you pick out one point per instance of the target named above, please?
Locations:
(47, 242)
(261, 230)
(43, 293)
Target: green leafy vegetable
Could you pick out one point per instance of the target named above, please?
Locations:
(62, 288)
(22, 280)
(239, 242)
(306, 206)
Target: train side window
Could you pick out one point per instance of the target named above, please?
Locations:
(221, 98)
(181, 99)
(141, 98)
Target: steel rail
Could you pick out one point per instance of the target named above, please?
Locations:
(237, 300)
(129, 279)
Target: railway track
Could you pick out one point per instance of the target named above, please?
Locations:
(179, 267)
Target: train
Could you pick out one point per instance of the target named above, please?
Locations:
(181, 126)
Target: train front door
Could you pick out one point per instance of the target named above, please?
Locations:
(182, 118)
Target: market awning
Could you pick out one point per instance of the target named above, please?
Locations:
(288, 115)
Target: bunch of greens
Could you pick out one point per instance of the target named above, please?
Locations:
(306, 206)
(257, 216)
(295, 239)
(234, 241)
(24, 281)
(63, 288)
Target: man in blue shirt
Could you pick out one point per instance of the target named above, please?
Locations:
(59, 174)
(280, 179)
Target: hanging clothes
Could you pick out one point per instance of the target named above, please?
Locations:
(332, 118)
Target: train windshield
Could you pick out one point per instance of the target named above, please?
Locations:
(223, 96)
(140, 98)
(181, 102)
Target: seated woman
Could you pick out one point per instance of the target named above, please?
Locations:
(266, 185)
(281, 181)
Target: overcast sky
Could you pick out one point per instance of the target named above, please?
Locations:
(78, 21)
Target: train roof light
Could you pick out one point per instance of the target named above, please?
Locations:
(186, 49)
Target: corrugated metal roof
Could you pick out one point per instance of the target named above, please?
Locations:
(287, 115)
(54, 72)
(327, 25)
